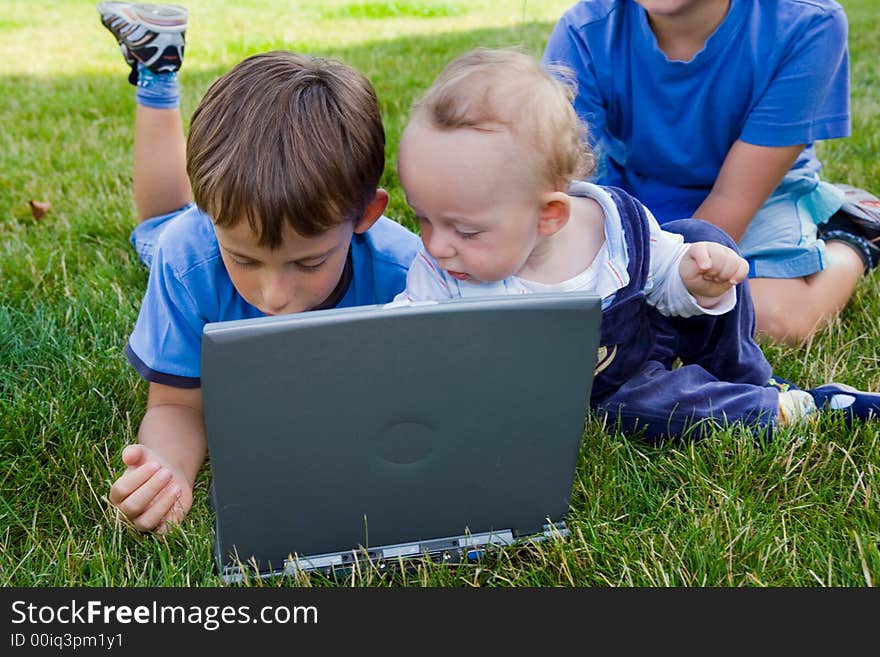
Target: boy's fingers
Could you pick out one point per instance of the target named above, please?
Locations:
(176, 514)
(131, 480)
(140, 499)
(134, 455)
(154, 517)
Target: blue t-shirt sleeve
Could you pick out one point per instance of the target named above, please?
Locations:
(808, 98)
(165, 346)
(566, 48)
(381, 257)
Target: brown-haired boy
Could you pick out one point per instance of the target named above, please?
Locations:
(284, 157)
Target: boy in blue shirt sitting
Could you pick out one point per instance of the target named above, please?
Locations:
(284, 215)
(709, 109)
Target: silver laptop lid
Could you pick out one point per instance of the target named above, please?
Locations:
(377, 426)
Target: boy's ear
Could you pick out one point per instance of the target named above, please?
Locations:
(554, 213)
(372, 212)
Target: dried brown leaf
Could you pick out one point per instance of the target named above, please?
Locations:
(39, 208)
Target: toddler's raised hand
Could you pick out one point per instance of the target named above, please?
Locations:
(709, 269)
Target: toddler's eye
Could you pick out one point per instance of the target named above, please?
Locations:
(467, 235)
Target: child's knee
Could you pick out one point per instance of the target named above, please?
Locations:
(783, 322)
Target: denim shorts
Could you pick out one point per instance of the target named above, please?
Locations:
(146, 234)
(781, 240)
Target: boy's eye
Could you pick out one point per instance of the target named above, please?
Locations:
(245, 264)
(465, 235)
(310, 267)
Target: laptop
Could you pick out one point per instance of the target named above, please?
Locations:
(393, 432)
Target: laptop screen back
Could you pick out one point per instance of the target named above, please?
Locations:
(372, 426)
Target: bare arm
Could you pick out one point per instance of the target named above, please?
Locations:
(157, 484)
(747, 178)
(174, 427)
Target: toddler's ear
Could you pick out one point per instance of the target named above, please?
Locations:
(555, 211)
(372, 212)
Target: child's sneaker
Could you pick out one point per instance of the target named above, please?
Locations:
(868, 252)
(782, 385)
(857, 222)
(153, 35)
(856, 404)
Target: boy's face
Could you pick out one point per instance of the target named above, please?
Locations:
(297, 276)
(673, 8)
(476, 220)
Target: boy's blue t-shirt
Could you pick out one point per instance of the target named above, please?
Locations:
(774, 73)
(189, 286)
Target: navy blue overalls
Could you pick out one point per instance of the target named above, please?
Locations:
(723, 375)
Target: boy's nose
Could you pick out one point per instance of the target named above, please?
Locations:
(276, 293)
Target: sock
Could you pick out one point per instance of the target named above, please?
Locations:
(157, 90)
(795, 405)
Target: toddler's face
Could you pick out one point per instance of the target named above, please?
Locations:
(477, 219)
(297, 276)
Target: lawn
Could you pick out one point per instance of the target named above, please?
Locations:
(801, 511)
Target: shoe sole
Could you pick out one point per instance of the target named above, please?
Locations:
(158, 18)
(863, 209)
(162, 18)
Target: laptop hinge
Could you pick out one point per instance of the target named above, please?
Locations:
(431, 548)
(447, 549)
(555, 530)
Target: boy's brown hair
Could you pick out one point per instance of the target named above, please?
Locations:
(284, 137)
(490, 88)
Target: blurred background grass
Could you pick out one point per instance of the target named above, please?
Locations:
(803, 511)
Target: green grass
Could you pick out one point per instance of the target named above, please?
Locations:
(383, 10)
(802, 511)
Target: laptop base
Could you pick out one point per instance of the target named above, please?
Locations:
(453, 550)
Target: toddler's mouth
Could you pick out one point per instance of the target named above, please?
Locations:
(457, 275)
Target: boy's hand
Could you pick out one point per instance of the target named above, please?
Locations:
(150, 493)
(709, 269)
